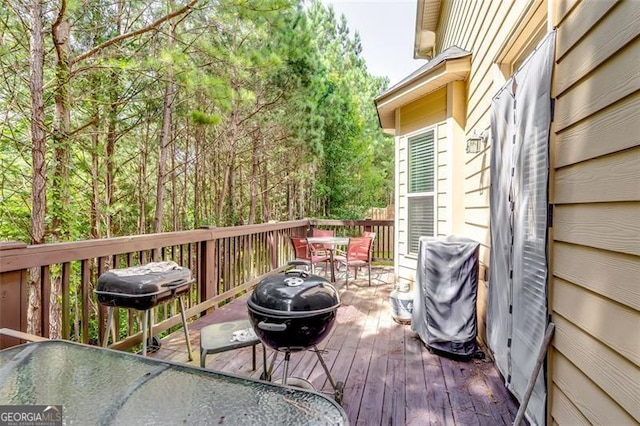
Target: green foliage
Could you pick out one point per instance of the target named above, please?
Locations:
(200, 117)
(272, 92)
(351, 176)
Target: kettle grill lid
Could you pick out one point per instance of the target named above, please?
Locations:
(294, 291)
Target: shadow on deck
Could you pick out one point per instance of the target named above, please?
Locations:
(390, 377)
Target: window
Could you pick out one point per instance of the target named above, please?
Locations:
(526, 36)
(421, 189)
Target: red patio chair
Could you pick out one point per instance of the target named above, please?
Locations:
(371, 235)
(301, 253)
(305, 254)
(358, 255)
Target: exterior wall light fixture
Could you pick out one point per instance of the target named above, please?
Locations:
(476, 142)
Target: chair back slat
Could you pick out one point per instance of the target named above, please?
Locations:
(300, 248)
(359, 248)
(369, 234)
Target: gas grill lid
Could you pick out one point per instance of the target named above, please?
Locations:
(143, 280)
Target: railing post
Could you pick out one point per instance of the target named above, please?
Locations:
(45, 300)
(208, 285)
(102, 310)
(13, 299)
(273, 249)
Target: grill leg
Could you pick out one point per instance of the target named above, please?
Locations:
(145, 325)
(107, 329)
(266, 374)
(326, 369)
(287, 357)
(150, 335)
(254, 357)
(186, 331)
(264, 360)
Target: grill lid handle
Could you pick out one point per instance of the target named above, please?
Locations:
(293, 281)
(300, 272)
(269, 326)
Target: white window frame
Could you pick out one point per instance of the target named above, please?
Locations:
(415, 195)
(532, 28)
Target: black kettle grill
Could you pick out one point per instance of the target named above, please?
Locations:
(292, 312)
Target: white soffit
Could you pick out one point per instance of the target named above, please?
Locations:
(427, 14)
(451, 65)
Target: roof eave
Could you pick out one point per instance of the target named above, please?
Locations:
(418, 87)
(427, 15)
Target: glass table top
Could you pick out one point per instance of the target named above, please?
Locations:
(96, 385)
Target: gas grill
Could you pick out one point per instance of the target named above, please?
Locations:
(142, 288)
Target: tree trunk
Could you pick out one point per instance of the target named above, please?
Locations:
(60, 31)
(226, 177)
(38, 153)
(165, 140)
(291, 201)
(175, 208)
(142, 182)
(185, 185)
(110, 150)
(302, 198)
(230, 211)
(95, 174)
(266, 215)
(198, 142)
(254, 178)
(231, 136)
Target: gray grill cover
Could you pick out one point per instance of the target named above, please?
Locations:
(444, 308)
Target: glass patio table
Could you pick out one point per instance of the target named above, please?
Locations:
(103, 386)
(330, 243)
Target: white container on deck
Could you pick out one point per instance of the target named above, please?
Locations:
(401, 302)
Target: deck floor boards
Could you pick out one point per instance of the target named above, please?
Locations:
(390, 377)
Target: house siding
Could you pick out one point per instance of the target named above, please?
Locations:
(595, 285)
(411, 119)
(593, 367)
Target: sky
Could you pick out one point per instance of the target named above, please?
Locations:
(387, 30)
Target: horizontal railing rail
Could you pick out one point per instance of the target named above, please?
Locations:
(382, 243)
(225, 262)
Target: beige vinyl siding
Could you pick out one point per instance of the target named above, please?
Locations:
(423, 112)
(428, 113)
(481, 28)
(595, 281)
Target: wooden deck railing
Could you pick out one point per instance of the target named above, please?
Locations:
(225, 262)
(382, 244)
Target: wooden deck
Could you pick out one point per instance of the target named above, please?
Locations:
(390, 377)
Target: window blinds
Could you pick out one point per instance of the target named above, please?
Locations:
(421, 220)
(421, 163)
(421, 186)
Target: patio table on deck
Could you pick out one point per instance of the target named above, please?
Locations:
(331, 243)
(103, 386)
